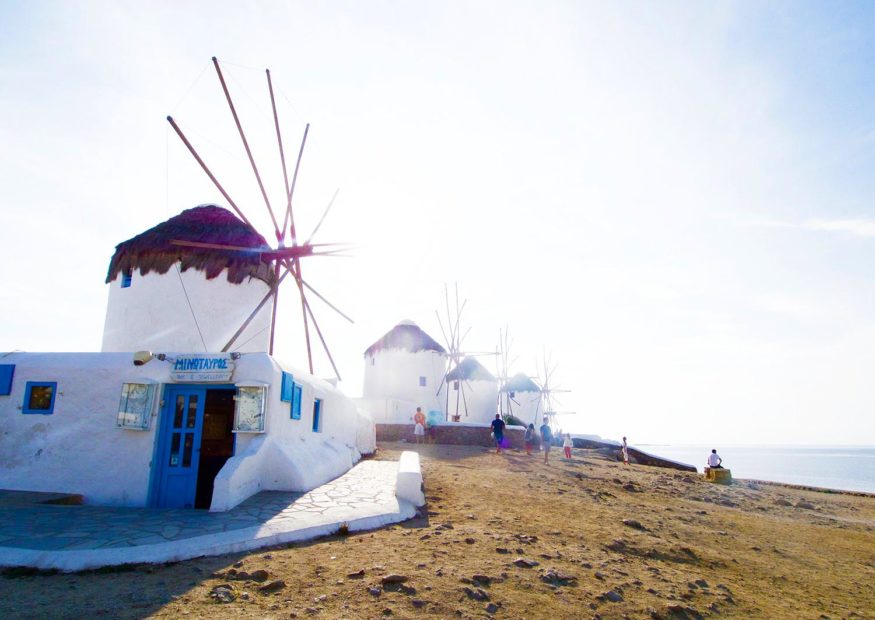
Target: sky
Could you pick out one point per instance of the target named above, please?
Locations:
(672, 201)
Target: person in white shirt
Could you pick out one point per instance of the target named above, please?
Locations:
(714, 460)
(567, 444)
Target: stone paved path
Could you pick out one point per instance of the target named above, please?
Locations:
(78, 537)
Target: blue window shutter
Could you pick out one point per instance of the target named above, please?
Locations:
(127, 277)
(286, 392)
(296, 403)
(6, 373)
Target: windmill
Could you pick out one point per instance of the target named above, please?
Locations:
(503, 363)
(286, 257)
(548, 399)
(459, 363)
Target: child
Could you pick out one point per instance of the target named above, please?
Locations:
(530, 438)
(567, 444)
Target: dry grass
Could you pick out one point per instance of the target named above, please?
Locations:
(759, 558)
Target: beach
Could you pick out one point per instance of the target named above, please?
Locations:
(507, 536)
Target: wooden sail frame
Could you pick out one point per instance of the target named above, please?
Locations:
(284, 258)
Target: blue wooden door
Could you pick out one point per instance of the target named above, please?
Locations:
(179, 451)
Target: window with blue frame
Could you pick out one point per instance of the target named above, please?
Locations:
(290, 392)
(296, 402)
(317, 416)
(39, 397)
(6, 373)
(127, 277)
(287, 388)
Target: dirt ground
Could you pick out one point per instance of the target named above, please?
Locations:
(506, 536)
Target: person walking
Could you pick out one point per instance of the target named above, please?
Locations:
(625, 452)
(530, 438)
(546, 438)
(498, 432)
(567, 444)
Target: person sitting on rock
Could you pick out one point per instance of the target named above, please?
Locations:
(714, 460)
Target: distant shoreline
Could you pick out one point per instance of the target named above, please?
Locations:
(804, 487)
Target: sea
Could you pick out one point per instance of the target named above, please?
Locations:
(847, 468)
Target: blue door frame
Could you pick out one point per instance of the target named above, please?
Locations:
(175, 471)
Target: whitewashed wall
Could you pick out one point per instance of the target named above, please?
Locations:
(388, 410)
(481, 397)
(153, 313)
(395, 373)
(79, 448)
(528, 410)
(290, 456)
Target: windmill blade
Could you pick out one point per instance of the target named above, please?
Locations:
(441, 325)
(324, 214)
(295, 252)
(328, 303)
(290, 216)
(449, 317)
(321, 338)
(221, 246)
(206, 169)
(458, 341)
(246, 146)
(296, 270)
(279, 139)
(246, 323)
(441, 384)
(276, 303)
(462, 339)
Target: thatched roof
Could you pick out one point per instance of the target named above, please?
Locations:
(520, 383)
(470, 369)
(406, 336)
(152, 250)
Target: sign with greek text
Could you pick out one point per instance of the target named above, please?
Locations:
(202, 368)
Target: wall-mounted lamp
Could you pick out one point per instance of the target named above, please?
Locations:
(235, 355)
(142, 357)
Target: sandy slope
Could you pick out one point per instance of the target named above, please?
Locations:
(687, 549)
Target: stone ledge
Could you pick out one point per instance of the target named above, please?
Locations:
(451, 434)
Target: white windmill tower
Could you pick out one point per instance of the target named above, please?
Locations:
(401, 371)
(217, 240)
